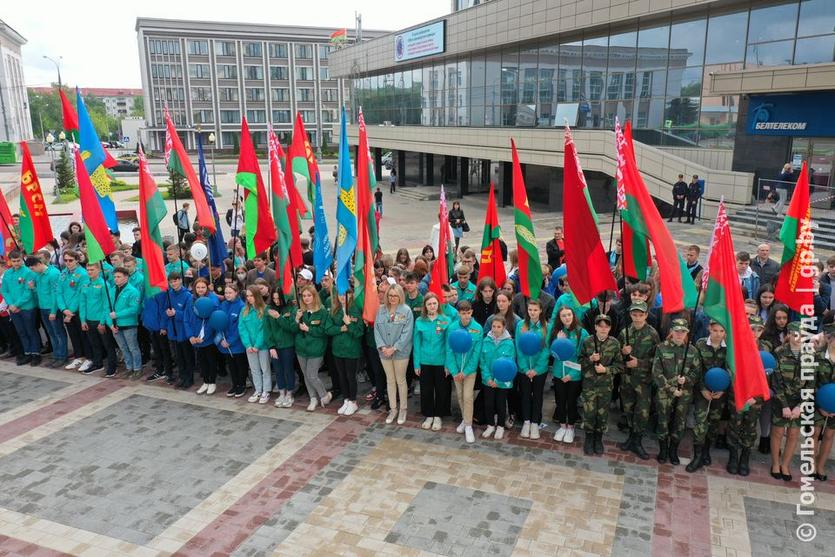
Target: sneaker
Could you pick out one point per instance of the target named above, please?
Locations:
(326, 399)
(288, 401)
(436, 424)
(534, 431)
(75, 363)
(212, 389)
(241, 391)
(342, 408)
(460, 428)
(391, 416)
(155, 377)
(489, 431)
(82, 367)
(203, 388)
(401, 417)
(508, 423)
(314, 402)
(231, 392)
(569, 435)
(35, 360)
(110, 374)
(427, 423)
(91, 369)
(352, 408)
(170, 379)
(499, 433)
(279, 402)
(526, 430)
(469, 435)
(560, 434)
(265, 398)
(254, 397)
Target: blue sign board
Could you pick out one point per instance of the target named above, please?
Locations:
(797, 115)
(420, 42)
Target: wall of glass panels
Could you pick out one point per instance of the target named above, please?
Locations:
(657, 74)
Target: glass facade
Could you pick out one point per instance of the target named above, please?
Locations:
(657, 74)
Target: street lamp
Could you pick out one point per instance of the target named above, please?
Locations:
(214, 170)
(50, 139)
(57, 67)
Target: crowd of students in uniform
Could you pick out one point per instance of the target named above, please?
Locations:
(627, 354)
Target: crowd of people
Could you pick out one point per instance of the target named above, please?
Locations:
(627, 354)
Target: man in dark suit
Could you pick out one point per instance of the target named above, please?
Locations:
(679, 195)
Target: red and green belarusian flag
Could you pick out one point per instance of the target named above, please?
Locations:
(258, 223)
(69, 117)
(365, 284)
(724, 304)
(634, 247)
(678, 291)
(151, 213)
(96, 233)
(339, 36)
(530, 269)
(301, 154)
(491, 264)
(793, 287)
(176, 160)
(286, 219)
(443, 266)
(35, 230)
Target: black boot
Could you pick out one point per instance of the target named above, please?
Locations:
(721, 442)
(627, 445)
(674, 453)
(696, 463)
(598, 442)
(765, 445)
(588, 444)
(623, 425)
(662, 451)
(638, 447)
(706, 454)
(744, 455)
(733, 460)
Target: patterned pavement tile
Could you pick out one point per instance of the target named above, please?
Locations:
(772, 528)
(17, 390)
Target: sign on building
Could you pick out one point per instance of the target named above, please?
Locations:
(420, 42)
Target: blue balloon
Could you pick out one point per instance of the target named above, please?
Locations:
(203, 307)
(460, 341)
(562, 349)
(530, 343)
(560, 271)
(825, 398)
(769, 361)
(717, 379)
(218, 338)
(504, 369)
(218, 320)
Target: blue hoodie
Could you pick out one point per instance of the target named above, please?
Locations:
(233, 336)
(197, 327)
(152, 312)
(181, 301)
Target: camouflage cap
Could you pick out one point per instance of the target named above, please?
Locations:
(829, 328)
(603, 317)
(638, 306)
(794, 327)
(680, 325)
(756, 321)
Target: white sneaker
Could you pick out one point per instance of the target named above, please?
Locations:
(254, 397)
(265, 398)
(288, 401)
(75, 363)
(84, 367)
(326, 399)
(460, 428)
(314, 402)
(569, 435)
(342, 408)
(401, 416)
(534, 431)
(212, 389)
(279, 402)
(391, 416)
(427, 423)
(203, 388)
(499, 433)
(526, 430)
(469, 435)
(352, 408)
(489, 431)
(560, 434)
(436, 424)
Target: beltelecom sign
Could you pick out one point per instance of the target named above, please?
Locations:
(802, 114)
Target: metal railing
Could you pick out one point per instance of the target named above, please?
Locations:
(772, 198)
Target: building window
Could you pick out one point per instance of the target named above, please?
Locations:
(304, 94)
(328, 116)
(230, 139)
(281, 116)
(304, 73)
(324, 73)
(198, 71)
(304, 51)
(198, 48)
(324, 51)
(278, 50)
(227, 71)
(203, 117)
(256, 116)
(280, 94)
(254, 72)
(254, 94)
(230, 116)
(201, 94)
(225, 48)
(330, 95)
(228, 94)
(309, 116)
(279, 72)
(252, 49)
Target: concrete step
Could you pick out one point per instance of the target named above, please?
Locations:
(421, 193)
(824, 239)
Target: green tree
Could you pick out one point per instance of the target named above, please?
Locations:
(138, 108)
(64, 176)
(178, 187)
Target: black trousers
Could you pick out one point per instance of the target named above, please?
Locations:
(495, 404)
(566, 396)
(102, 346)
(81, 346)
(9, 336)
(207, 362)
(238, 367)
(162, 354)
(435, 391)
(691, 210)
(143, 337)
(330, 363)
(678, 209)
(346, 369)
(530, 397)
(184, 355)
(375, 369)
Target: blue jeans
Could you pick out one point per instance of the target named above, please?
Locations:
(57, 334)
(259, 367)
(285, 374)
(129, 345)
(24, 324)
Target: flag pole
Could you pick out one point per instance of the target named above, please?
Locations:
(11, 231)
(623, 269)
(106, 291)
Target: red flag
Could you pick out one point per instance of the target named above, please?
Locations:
(530, 269)
(6, 227)
(151, 212)
(440, 268)
(491, 264)
(365, 283)
(35, 230)
(585, 259)
(70, 117)
(286, 219)
(260, 228)
(793, 287)
(176, 160)
(97, 234)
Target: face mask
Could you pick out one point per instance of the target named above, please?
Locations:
(242, 276)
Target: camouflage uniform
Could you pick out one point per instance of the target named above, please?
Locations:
(708, 413)
(825, 374)
(743, 425)
(666, 367)
(636, 382)
(597, 387)
(787, 382)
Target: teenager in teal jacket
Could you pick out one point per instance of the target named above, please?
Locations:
(566, 374)
(123, 320)
(462, 367)
(46, 288)
(311, 343)
(72, 280)
(430, 338)
(93, 306)
(253, 336)
(497, 344)
(533, 370)
(22, 306)
(347, 330)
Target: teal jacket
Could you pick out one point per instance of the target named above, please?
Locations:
(46, 286)
(346, 344)
(137, 280)
(313, 343)
(69, 288)
(466, 293)
(177, 267)
(492, 349)
(93, 304)
(568, 300)
(559, 370)
(429, 340)
(539, 361)
(16, 289)
(252, 329)
(126, 305)
(470, 359)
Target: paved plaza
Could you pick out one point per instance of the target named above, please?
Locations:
(90, 467)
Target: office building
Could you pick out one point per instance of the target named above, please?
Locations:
(15, 122)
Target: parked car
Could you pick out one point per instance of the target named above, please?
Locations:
(55, 146)
(125, 164)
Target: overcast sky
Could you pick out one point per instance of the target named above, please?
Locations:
(97, 39)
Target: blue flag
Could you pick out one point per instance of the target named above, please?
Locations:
(92, 153)
(346, 213)
(322, 252)
(217, 246)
